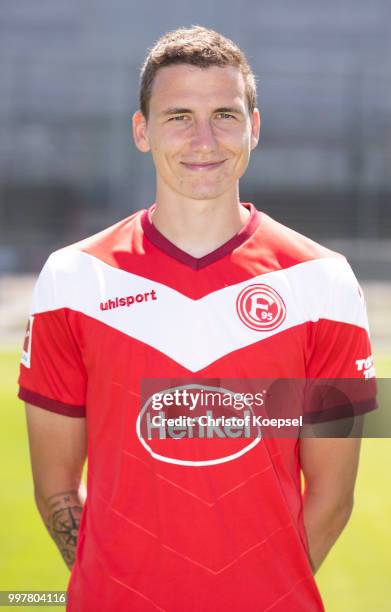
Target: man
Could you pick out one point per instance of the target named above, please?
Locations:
(199, 285)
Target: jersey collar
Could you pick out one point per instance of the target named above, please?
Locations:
(162, 243)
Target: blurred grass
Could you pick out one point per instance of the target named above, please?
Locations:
(355, 576)
(28, 558)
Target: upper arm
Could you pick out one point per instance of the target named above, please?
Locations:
(53, 375)
(330, 466)
(58, 449)
(338, 387)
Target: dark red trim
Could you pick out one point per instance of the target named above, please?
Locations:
(341, 412)
(162, 243)
(50, 404)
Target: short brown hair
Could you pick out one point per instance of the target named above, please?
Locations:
(197, 46)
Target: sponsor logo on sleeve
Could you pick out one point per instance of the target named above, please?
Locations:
(366, 366)
(26, 351)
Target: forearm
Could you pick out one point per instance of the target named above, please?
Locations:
(324, 521)
(61, 514)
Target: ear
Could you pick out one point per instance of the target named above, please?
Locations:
(140, 132)
(255, 127)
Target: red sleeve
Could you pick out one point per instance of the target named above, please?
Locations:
(52, 373)
(340, 362)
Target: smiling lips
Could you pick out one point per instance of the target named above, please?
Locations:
(203, 167)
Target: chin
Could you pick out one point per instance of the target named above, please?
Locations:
(203, 195)
(204, 192)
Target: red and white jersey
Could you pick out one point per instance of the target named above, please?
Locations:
(124, 305)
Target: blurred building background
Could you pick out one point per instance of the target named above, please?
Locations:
(68, 86)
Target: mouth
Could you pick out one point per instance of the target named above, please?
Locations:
(203, 167)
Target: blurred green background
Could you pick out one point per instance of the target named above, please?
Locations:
(354, 577)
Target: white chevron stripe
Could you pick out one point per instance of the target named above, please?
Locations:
(195, 333)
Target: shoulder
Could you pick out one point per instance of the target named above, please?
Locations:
(289, 247)
(305, 263)
(74, 266)
(106, 246)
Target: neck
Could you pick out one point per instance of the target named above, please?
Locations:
(198, 227)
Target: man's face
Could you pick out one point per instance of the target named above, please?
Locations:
(199, 130)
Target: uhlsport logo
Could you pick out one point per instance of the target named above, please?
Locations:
(129, 300)
(260, 307)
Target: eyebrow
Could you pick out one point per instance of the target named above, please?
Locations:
(188, 111)
(229, 109)
(176, 111)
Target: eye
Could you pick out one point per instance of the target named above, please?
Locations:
(178, 118)
(225, 116)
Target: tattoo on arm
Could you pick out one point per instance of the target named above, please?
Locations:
(63, 521)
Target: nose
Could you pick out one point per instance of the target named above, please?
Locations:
(203, 137)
